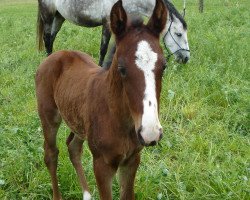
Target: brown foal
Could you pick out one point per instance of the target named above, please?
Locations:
(115, 110)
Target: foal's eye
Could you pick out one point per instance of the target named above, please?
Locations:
(122, 71)
(178, 34)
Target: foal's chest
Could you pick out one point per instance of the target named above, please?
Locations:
(116, 149)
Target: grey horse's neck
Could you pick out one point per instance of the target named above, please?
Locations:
(144, 7)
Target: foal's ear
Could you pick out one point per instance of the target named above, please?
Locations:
(158, 19)
(118, 19)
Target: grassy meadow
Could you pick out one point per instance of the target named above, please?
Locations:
(205, 110)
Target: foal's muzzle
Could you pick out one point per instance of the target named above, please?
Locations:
(149, 143)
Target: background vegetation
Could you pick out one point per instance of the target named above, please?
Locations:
(205, 110)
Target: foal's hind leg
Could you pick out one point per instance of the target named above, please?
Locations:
(75, 151)
(51, 119)
(106, 34)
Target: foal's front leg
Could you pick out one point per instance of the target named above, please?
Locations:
(104, 174)
(127, 174)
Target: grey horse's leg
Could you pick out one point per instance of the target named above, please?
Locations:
(52, 22)
(109, 57)
(56, 26)
(46, 38)
(106, 34)
(47, 16)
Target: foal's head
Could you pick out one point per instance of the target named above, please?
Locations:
(140, 64)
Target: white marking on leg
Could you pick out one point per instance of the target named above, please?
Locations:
(145, 60)
(86, 195)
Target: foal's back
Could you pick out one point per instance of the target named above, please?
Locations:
(59, 62)
(69, 66)
(65, 75)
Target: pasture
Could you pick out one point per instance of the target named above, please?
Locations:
(205, 110)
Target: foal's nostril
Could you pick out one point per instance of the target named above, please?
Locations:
(153, 143)
(161, 134)
(141, 140)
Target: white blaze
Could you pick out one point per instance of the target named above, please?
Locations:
(145, 60)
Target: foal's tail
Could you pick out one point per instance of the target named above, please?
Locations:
(39, 30)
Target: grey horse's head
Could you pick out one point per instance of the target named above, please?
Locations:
(175, 35)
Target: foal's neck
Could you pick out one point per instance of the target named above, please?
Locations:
(117, 100)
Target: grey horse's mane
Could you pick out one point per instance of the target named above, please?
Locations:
(174, 12)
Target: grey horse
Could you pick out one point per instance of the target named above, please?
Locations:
(92, 13)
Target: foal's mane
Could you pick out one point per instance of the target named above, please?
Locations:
(174, 12)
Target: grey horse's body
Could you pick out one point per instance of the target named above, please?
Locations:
(91, 13)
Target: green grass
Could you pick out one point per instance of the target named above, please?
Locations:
(205, 110)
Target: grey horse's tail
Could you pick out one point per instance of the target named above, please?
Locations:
(39, 30)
